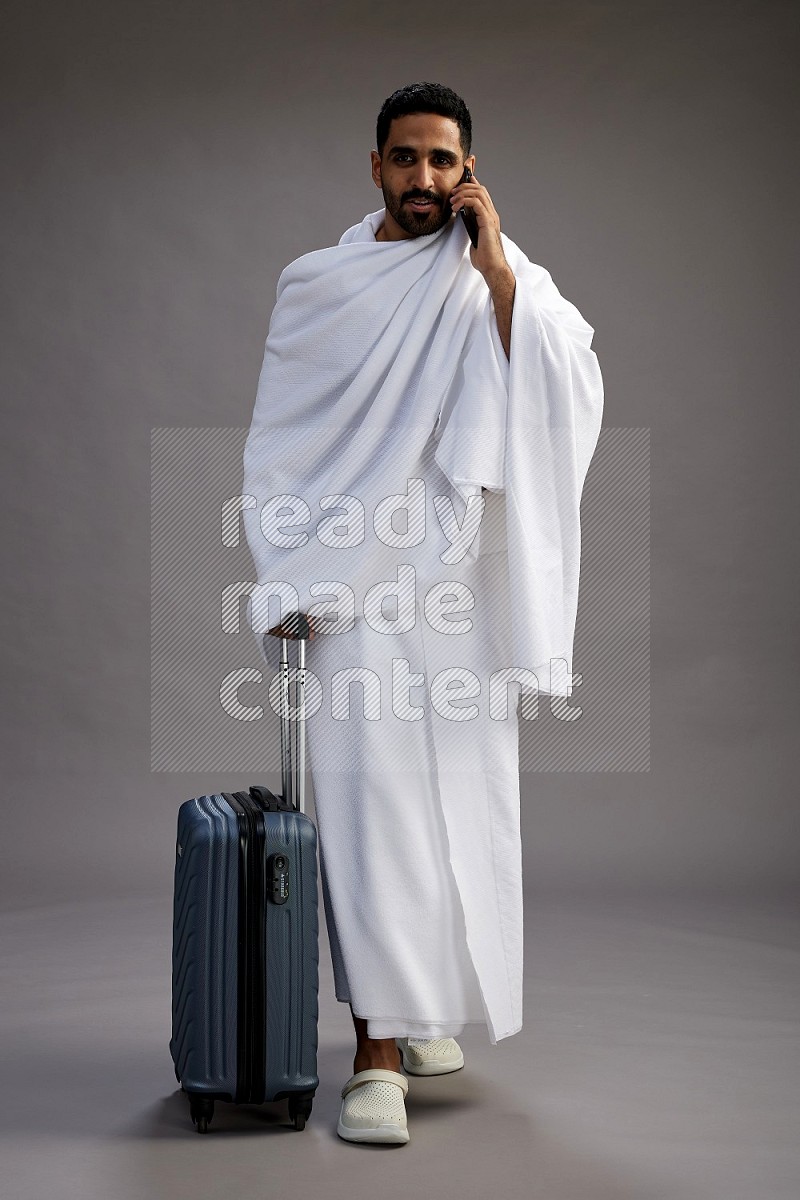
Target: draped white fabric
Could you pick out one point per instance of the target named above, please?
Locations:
(385, 400)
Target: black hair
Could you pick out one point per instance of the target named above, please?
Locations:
(425, 98)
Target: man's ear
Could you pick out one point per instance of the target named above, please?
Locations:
(470, 162)
(376, 167)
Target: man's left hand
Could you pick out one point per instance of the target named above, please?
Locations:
(488, 256)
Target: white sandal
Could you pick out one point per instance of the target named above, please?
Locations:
(430, 1056)
(372, 1108)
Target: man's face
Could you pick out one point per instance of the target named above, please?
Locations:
(422, 162)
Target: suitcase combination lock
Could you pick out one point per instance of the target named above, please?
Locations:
(278, 876)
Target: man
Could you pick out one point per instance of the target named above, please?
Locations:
(410, 374)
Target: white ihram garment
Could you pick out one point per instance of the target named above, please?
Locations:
(384, 379)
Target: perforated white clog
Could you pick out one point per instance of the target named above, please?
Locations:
(430, 1056)
(373, 1107)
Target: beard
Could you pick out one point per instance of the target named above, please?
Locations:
(417, 224)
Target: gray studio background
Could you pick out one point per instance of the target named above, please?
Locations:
(162, 164)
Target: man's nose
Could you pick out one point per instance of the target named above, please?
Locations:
(422, 178)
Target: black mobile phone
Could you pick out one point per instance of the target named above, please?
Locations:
(467, 214)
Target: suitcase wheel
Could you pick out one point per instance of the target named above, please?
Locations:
(202, 1110)
(300, 1109)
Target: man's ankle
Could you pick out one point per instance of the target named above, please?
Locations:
(377, 1052)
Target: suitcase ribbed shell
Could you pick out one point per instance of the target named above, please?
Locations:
(205, 1000)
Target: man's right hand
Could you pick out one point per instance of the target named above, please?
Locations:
(289, 628)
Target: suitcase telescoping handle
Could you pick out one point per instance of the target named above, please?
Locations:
(293, 732)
